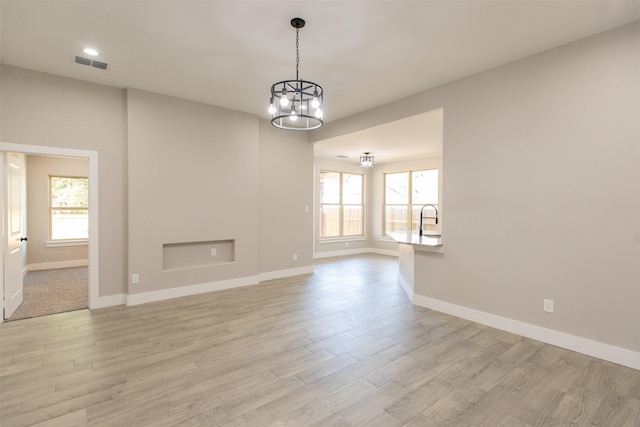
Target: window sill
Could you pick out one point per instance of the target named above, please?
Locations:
(66, 242)
(342, 239)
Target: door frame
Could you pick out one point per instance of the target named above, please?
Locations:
(92, 157)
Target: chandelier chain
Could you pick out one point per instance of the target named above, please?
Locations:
(297, 52)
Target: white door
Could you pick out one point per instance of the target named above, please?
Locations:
(13, 226)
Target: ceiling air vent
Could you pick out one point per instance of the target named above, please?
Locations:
(91, 63)
(98, 64)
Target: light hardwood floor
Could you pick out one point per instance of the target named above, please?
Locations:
(341, 347)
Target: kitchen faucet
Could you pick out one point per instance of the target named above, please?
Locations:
(427, 217)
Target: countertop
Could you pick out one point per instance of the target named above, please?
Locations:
(432, 243)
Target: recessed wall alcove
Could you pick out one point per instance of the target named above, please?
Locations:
(184, 255)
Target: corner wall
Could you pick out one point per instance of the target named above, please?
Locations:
(202, 176)
(286, 202)
(193, 177)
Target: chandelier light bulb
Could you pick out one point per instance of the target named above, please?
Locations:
(315, 103)
(319, 113)
(284, 101)
(272, 109)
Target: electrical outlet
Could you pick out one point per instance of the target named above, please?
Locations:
(214, 251)
(306, 208)
(548, 306)
(295, 257)
(135, 278)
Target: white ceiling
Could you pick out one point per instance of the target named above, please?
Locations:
(411, 137)
(228, 53)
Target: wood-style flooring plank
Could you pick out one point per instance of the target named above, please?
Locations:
(326, 407)
(343, 346)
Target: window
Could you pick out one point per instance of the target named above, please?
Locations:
(341, 204)
(69, 208)
(404, 195)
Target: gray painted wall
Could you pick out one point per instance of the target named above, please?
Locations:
(149, 147)
(541, 177)
(193, 177)
(286, 190)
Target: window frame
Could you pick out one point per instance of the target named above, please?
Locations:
(341, 205)
(409, 205)
(78, 241)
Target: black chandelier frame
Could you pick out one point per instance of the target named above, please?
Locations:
(297, 104)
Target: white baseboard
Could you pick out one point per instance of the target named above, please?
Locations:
(108, 301)
(279, 274)
(388, 252)
(135, 299)
(406, 287)
(183, 291)
(597, 349)
(356, 251)
(58, 264)
(331, 254)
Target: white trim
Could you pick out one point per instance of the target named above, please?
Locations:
(279, 274)
(326, 240)
(65, 243)
(110, 301)
(134, 299)
(183, 291)
(389, 252)
(330, 254)
(58, 264)
(356, 251)
(406, 287)
(92, 156)
(597, 349)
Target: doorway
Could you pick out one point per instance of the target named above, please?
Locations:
(57, 205)
(93, 243)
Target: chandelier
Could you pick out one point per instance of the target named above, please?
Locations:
(366, 160)
(296, 104)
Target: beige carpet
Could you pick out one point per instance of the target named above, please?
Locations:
(54, 291)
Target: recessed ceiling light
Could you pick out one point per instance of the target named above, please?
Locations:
(90, 51)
